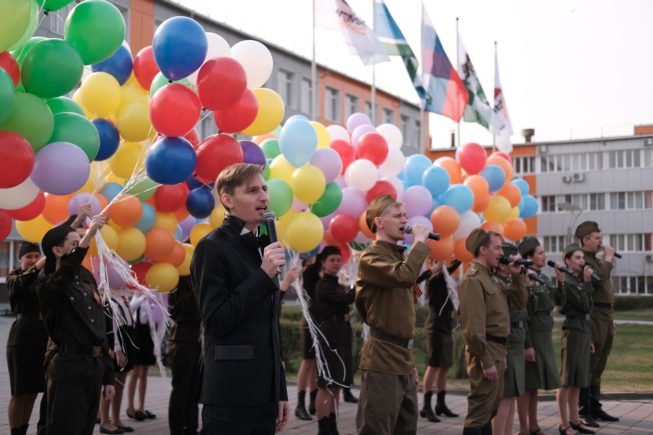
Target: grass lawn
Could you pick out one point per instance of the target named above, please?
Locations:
(646, 314)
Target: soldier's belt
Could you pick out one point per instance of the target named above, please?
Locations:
(603, 305)
(518, 324)
(93, 351)
(579, 317)
(391, 338)
(496, 339)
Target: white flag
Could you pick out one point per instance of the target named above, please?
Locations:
(500, 124)
(338, 15)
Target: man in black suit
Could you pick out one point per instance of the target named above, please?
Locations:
(234, 277)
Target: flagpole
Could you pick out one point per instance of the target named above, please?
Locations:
(422, 124)
(373, 74)
(313, 74)
(457, 63)
(494, 133)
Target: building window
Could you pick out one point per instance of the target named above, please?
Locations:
(618, 201)
(306, 96)
(649, 285)
(388, 116)
(368, 110)
(351, 105)
(418, 127)
(548, 203)
(405, 120)
(597, 201)
(554, 244)
(332, 104)
(284, 85)
(648, 158)
(648, 199)
(648, 242)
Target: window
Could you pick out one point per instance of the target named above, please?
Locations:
(405, 120)
(649, 285)
(648, 199)
(554, 243)
(648, 245)
(618, 200)
(351, 105)
(284, 85)
(634, 200)
(418, 128)
(548, 203)
(648, 158)
(332, 105)
(368, 110)
(597, 201)
(388, 116)
(641, 285)
(306, 96)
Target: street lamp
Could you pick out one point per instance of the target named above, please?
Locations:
(575, 211)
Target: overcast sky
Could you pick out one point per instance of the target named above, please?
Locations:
(569, 68)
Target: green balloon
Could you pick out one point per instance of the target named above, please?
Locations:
(63, 105)
(76, 129)
(20, 52)
(96, 29)
(17, 19)
(271, 148)
(329, 201)
(7, 95)
(144, 189)
(281, 196)
(266, 172)
(160, 81)
(31, 118)
(53, 5)
(51, 68)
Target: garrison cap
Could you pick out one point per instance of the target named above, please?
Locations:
(571, 248)
(376, 208)
(475, 239)
(508, 248)
(587, 227)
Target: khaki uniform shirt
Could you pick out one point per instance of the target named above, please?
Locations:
(603, 292)
(384, 299)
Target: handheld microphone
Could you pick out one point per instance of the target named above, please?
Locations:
(568, 271)
(433, 236)
(518, 262)
(616, 254)
(534, 277)
(268, 216)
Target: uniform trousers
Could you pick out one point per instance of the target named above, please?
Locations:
(485, 395)
(72, 409)
(602, 336)
(183, 408)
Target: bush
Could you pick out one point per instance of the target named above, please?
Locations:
(631, 303)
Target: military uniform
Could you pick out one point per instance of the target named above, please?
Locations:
(576, 305)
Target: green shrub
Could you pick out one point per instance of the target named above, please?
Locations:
(631, 303)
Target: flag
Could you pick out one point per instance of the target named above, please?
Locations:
(445, 92)
(338, 15)
(393, 40)
(478, 108)
(500, 124)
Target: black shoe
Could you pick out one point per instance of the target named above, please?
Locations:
(136, 415)
(125, 428)
(588, 420)
(563, 431)
(300, 413)
(311, 403)
(581, 427)
(149, 415)
(348, 397)
(472, 431)
(600, 414)
(441, 406)
(428, 414)
(115, 431)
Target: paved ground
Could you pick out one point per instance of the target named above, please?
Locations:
(637, 415)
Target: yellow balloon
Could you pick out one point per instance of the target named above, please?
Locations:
(199, 231)
(132, 93)
(514, 213)
(282, 169)
(77, 98)
(217, 216)
(134, 121)
(184, 268)
(34, 230)
(110, 236)
(270, 112)
(305, 232)
(162, 277)
(131, 244)
(114, 225)
(308, 183)
(126, 158)
(323, 138)
(101, 93)
(167, 221)
(498, 210)
(132, 80)
(282, 225)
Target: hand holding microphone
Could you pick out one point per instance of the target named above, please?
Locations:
(274, 256)
(568, 271)
(421, 228)
(609, 252)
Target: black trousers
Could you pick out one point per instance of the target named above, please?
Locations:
(72, 410)
(218, 420)
(183, 409)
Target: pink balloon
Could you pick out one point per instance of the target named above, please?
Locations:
(329, 162)
(81, 199)
(353, 202)
(357, 119)
(360, 131)
(417, 201)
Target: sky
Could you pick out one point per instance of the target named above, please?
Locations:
(570, 69)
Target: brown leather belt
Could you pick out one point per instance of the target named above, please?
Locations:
(93, 351)
(391, 338)
(496, 339)
(603, 305)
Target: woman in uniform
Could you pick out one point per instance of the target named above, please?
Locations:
(27, 338)
(576, 305)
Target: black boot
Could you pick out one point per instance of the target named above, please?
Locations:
(300, 410)
(487, 429)
(427, 411)
(585, 408)
(597, 409)
(17, 431)
(441, 407)
(333, 424)
(323, 426)
(311, 404)
(472, 431)
(348, 397)
(24, 429)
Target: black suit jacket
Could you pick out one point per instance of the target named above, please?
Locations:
(240, 308)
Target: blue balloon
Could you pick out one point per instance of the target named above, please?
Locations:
(179, 47)
(193, 182)
(459, 197)
(296, 117)
(309, 254)
(120, 65)
(436, 180)
(170, 160)
(414, 168)
(109, 138)
(179, 234)
(200, 202)
(530, 207)
(494, 176)
(298, 141)
(146, 222)
(111, 190)
(522, 185)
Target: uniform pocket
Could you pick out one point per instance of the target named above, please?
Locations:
(224, 352)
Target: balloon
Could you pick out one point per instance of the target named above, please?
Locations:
(329, 201)
(167, 221)
(459, 197)
(109, 138)
(170, 160)
(163, 277)
(415, 220)
(120, 65)
(515, 229)
(271, 110)
(468, 222)
(530, 207)
(451, 166)
(148, 217)
(441, 250)
(56, 208)
(77, 130)
(161, 81)
(417, 201)
(31, 118)
(305, 232)
(357, 119)
(436, 180)
(393, 164)
(271, 148)
(512, 193)
(252, 153)
(51, 68)
(256, 61)
(200, 202)
(31, 210)
(134, 122)
(373, 147)
(81, 199)
(7, 96)
(382, 187)
(174, 110)
(184, 267)
(392, 135)
(64, 104)
(495, 177)
(522, 184)
(397, 184)
(126, 211)
(346, 152)
(10, 66)
(445, 220)
(172, 197)
(472, 157)
(5, 224)
(16, 159)
(221, 83)
(415, 166)
(124, 160)
(338, 132)
(361, 131)
(145, 67)
(239, 115)
(101, 93)
(497, 210)
(217, 47)
(143, 189)
(177, 256)
(307, 183)
(480, 189)
(96, 29)
(328, 161)
(323, 138)
(460, 251)
(503, 164)
(60, 168)
(131, 244)
(21, 50)
(362, 174)
(217, 216)
(298, 142)
(343, 228)
(280, 168)
(216, 153)
(179, 46)
(111, 239)
(492, 226)
(281, 196)
(198, 232)
(353, 202)
(33, 230)
(15, 19)
(159, 244)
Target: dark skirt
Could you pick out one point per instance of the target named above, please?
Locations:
(307, 342)
(575, 350)
(143, 346)
(337, 354)
(128, 348)
(543, 374)
(25, 355)
(439, 345)
(514, 384)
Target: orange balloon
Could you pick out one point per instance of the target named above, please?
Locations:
(56, 208)
(511, 193)
(451, 166)
(329, 240)
(515, 229)
(102, 199)
(479, 206)
(177, 256)
(181, 214)
(258, 140)
(87, 263)
(461, 252)
(480, 187)
(159, 244)
(364, 228)
(126, 210)
(445, 220)
(441, 249)
(492, 226)
(503, 164)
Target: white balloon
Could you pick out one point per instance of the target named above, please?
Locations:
(218, 47)
(469, 221)
(393, 164)
(256, 59)
(18, 196)
(338, 132)
(397, 184)
(362, 174)
(391, 134)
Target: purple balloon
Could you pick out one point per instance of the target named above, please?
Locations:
(421, 220)
(417, 201)
(186, 226)
(252, 153)
(81, 199)
(329, 162)
(341, 182)
(116, 281)
(353, 202)
(360, 131)
(60, 168)
(357, 119)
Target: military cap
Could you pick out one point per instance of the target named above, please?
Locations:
(52, 238)
(376, 208)
(27, 247)
(571, 248)
(508, 248)
(528, 244)
(475, 239)
(587, 227)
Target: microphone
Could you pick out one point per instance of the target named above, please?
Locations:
(518, 262)
(268, 217)
(433, 236)
(616, 254)
(534, 277)
(568, 271)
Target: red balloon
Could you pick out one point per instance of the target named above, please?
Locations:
(174, 110)
(343, 228)
(140, 270)
(373, 147)
(31, 210)
(16, 159)
(5, 224)
(472, 158)
(192, 137)
(216, 153)
(9, 64)
(346, 152)
(382, 187)
(170, 197)
(329, 240)
(145, 67)
(221, 83)
(502, 154)
(238, 116)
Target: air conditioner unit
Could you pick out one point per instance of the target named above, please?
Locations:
(566, 179)
(578, 178)
(649, 258)
(648, 142)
